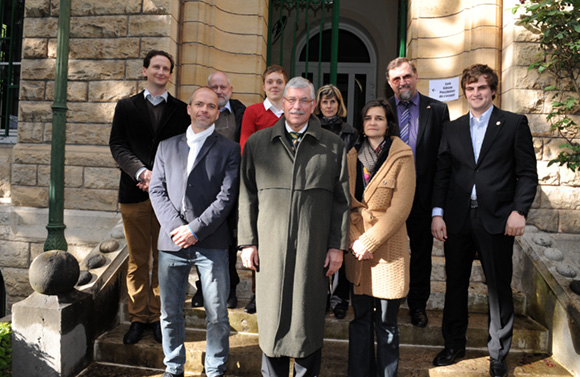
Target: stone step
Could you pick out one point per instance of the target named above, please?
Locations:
(113, 358)
(528, 334)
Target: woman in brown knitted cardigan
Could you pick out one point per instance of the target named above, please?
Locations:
(382, 186)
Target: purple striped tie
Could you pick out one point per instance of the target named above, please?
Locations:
(405, 122)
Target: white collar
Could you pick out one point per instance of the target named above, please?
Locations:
(193, 137)
(155, 100)
(289, 129)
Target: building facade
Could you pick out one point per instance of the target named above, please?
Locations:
(109, 39)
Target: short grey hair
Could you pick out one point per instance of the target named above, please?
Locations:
(300, 83)
(223, 73)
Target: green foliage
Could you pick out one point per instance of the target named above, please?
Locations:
(557, 23)
(5, 349)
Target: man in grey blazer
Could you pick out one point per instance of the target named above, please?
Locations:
(193, 189)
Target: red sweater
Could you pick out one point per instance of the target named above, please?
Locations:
(256, 118)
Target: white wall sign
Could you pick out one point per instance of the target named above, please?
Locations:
(444, 90)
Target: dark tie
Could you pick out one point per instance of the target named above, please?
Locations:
(295, 138)
(405, 122)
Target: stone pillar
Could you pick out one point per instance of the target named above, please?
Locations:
(52, 335)
(444, 37)
(228, 36)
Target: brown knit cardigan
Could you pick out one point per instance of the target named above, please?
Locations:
(379, 223)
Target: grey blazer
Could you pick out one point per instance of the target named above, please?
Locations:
(204, 198)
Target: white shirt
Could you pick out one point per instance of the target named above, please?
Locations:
(155, 100)
(269, 106)
(477, 128)
(195, 142)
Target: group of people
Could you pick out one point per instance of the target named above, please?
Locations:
(320, 217)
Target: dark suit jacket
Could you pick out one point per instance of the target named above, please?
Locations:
(133, 142)
(432, 115)
(203, 199)
(238, 109)
(505, 175)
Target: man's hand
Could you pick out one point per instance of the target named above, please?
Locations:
(250, 257)
(438, 228)
(145, 177)
(360, 252)
(516, 225)
(183, 237)
(333, 261)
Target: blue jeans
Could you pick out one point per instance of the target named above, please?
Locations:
(174, 270)
(373, 315)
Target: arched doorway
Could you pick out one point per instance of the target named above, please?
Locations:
(356, 68)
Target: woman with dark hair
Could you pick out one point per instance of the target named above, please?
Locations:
(382, 185)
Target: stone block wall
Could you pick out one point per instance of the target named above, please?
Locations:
(444, 37)
(225, 35)
(108, 41)
(556, 207)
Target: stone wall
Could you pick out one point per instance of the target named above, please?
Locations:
(224, 35)
(556, 208)
(444, 37)
(108, 41)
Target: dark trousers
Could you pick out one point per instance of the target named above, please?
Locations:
(373, 315)
(421, 242)
(340, 289)
(308, 366)
(495, 253)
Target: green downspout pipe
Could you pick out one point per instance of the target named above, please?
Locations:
(55, 239)
(334, 42)
(402, 28)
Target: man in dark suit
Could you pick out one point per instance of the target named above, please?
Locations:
(485, 183)
(194, 188)
(421, 122)
(229, 124)
(139, 124)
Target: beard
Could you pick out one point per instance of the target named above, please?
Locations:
(405, 93)
(222, 101)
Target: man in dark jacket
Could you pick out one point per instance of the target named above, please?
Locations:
(421, 122)
(139, 124)
(229, 125)
(485, 184)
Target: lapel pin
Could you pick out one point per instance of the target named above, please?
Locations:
(428, 107)
(498, 123)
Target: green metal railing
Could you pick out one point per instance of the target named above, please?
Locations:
(10, 42)
(303, 10)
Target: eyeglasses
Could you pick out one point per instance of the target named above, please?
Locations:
(302, 101)
(216, 87)
(405, 78)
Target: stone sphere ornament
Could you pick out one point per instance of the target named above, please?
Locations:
(54, 272)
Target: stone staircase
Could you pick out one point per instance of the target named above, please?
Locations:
(529, 355)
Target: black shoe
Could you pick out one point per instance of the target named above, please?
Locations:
(135, 333)
(448, 356)
(232, 299)
(251, 307)
(197, 299)
(167, 374)
(339, 312)
(419, 318)
(156, 329)
(497, 368)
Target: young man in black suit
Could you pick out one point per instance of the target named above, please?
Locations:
(139, 124)
(420, 126)
(485, 183)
